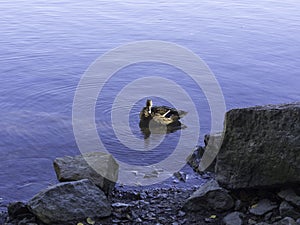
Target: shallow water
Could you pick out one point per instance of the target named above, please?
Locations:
(46, 46)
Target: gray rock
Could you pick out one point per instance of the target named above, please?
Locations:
(261, 147)
(209, 196)
(17, 210)
(70, 201)
(101, 168)
(268, 216)
(262, 207)
(287, 210)
(286, 221)
(234, 218)
(180, 176)
(194, 159)
(238, 205)
(290, 196)
(251, 222)
(212, 145)
(298, 221)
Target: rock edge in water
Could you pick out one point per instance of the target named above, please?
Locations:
(260, 147)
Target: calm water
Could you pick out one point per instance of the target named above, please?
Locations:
(253, 49)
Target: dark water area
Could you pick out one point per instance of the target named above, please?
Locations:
(252, 48)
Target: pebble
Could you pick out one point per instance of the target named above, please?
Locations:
(181, 213)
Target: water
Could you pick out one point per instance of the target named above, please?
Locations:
(45, 47)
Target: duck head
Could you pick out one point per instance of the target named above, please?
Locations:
(149, 105)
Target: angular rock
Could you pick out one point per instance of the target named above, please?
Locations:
(262, 207)
(70, 201)
(261, 147)
(193, 160)
(209, 196)
(287, 210)
(212, 146)
(101, 168)
(234, 218)
(180, 176)
(290, 196)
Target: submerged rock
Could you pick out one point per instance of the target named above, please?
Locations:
(261, 147)
(209, 196)
(101, 168)
(70, 201)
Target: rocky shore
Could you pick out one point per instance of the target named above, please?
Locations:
(168, 206)
(255, 179)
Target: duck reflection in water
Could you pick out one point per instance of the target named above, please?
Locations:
(160, 119)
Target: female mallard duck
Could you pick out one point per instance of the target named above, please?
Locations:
(160, 115)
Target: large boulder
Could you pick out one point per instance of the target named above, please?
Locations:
(261, 147)
(210, 196)
(70, 201)
(101, 168)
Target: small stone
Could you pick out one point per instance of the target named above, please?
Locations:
(120, 205)
(251, 222)
(116, 221)
(290, 196)
(181, 213)
(276, 218)
(238, 205)
(298, 221)
(262, 207)
(181, 176)
(206, 176)
(268, 216)
(182, 221)
(209, 220)
(143, 202)
(233, 219)
(209, 196)
(287, 210)
(161, 219)
(286, 221)
(139, 220)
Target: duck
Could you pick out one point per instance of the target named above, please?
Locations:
(160, 115)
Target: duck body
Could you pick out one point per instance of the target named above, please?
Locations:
(161, 116)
